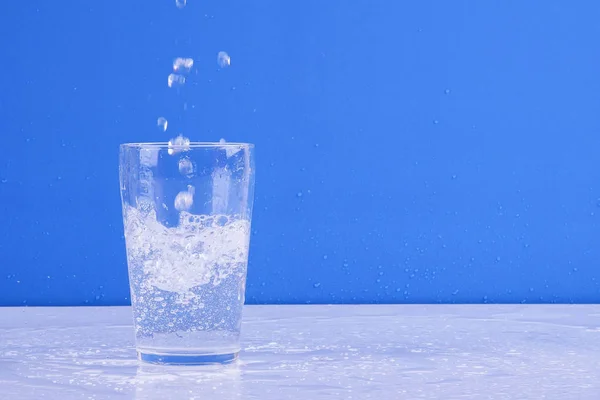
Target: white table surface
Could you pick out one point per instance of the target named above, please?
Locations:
(316, 352)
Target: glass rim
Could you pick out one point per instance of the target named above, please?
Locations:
(191, 145)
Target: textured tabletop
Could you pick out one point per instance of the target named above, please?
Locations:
(316, 352)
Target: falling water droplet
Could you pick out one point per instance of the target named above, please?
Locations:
(175, 80)
(180, 3)
(223, 59)
(182, 64)
(162, 123)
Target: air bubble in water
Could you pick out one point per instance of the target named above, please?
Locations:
(178, 145)
(223, 59)
(180, 3)
(175, 80)
(184, 199)
(182, 64)
(186, 167)
(162, 123)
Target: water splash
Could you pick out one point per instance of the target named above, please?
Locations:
(178, 145)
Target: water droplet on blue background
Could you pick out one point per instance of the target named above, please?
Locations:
(162, 123)
(175, 80)
(223, 59)
(181, 64)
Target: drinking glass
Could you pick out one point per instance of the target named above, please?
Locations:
(187, 209)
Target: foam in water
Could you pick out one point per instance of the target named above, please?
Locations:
(187, 281)
(201, 250)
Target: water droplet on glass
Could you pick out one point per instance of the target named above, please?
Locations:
(325, 257)
(299, 194)
(178, 145)
(186, 167)
(182, 64)
(447, 91)
(175, 80)
(162, 123)
(223, 59)
(435, 121)
(316, 285)
(180, 3)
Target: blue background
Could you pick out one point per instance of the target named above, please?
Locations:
(407, 151)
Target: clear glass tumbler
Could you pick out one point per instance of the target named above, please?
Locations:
(187, 209)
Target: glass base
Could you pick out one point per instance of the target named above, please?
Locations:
(187, 359)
